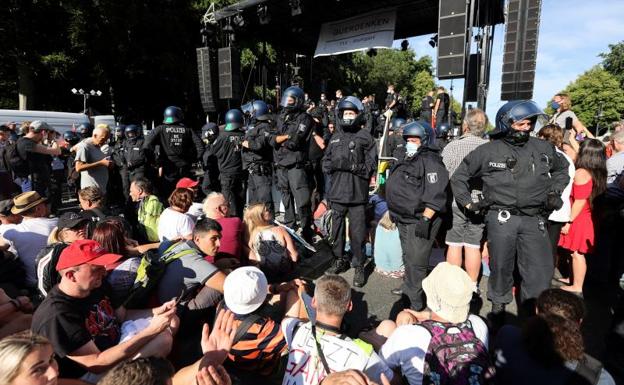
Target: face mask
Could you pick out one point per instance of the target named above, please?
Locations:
(554, 105)
(411, 148)
(518, 137)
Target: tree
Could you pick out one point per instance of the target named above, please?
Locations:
(421, 84)
(613, 61)
(593, 89)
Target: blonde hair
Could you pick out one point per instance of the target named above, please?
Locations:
(104, 128)
(13, 351)
(55, 236)
(386, 222)
(566, 102)
(254, 220)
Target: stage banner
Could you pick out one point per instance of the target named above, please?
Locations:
(370, 30)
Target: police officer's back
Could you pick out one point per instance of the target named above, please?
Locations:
(258, 155)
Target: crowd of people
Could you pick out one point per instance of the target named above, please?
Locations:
(181, 267)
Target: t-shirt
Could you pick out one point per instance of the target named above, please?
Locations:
(615, 166)
(187, 272)
(37, 163)
(563, 214)
(174, 225)
(87, 152)
(388, 251)
(407, 346)
(231, 235)
(148, 214)
(29, 238)
(304, 366)
(445, 101)
(70, 323)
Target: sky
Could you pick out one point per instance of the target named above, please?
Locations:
(572, 34)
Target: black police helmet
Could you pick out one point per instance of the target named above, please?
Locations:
(297, 94)
(210, 131)
(132, 130)
(85, 130)
(71, 137)
(443, 130)
(259, 109)
(419, 129)
(515, 111)
(233, 119)
(353, 104)
(397, 123)
(173, 115)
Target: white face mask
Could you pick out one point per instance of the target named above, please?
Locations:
(411, 148)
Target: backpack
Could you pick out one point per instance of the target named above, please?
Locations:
(323, 219)
(457, 357)
(46, 261)
(151, 269)
(13, 270)
(14, 162)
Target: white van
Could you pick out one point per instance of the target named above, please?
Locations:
(60, 121)
(104, 119)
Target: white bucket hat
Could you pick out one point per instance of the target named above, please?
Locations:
(245, 290)
(449, 291)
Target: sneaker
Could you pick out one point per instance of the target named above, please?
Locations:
(340, 265)
(359, 278)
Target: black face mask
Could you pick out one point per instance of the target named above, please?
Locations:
(518, 137)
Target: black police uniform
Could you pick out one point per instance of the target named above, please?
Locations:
(516, 182)
(426, 108)
(227, 151)
(350, 159)
(415, 183)
(290, 159)
(258, 161)
(134, 159)
(180, 147)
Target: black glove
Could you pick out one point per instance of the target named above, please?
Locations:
(553, 201)
(342, 164)
(475, 207)
(422, 228)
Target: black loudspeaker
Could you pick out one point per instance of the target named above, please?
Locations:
(204, 74)
(519, 58)
(472, 79)
(452, 28)
(229, 73)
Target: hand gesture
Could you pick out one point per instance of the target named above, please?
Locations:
(164, 307)
(161, 321)
(351, 377)
(565, 229)
(218, 343)
(212, 375)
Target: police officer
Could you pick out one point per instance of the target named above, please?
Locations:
(179, 145)
(442, 134)
(134, 157)
(351, 159)
(227, 150)
(416, 192)
(210, 182)
(258, 155)
(73, 177)
(522, 180)
(84, 130)
(290, 146)
(395, 144)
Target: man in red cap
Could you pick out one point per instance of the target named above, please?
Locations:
(83, 325)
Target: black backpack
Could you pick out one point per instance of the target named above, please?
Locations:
(14, 162)
(47, 276)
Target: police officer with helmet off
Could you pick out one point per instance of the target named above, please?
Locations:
(290, 150)
(522, 181)
(210, 181)
(351, 159)
(134, 156)
(180, 147)
(416, 192)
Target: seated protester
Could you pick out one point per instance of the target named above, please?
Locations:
(323, 340)
(272, 248)
(71, 227)
(92, 203)
(149, 210)
(14, 315)
(190, 272)
(174, 223)
(89, 336)
(217, 207)
(549, 349)
(142, 371)
(8, 220)
(423, 340)
(259, 343)
(387, 251)
(30, 236)
(196, 209)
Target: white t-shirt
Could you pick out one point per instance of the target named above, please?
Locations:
(563, 214)
(174, 225)
(407, 346)
(29, 238)
(304, 365)
(195, 210)
(4, 228)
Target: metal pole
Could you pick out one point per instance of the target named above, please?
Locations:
(467, 53)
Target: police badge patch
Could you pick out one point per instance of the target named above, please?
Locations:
(302, 127)
(432, 177)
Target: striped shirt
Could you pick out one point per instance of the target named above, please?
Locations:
(455, 152)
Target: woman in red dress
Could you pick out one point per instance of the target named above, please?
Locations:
(590, 180)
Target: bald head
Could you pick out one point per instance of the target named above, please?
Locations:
(216, 206)
(100, 134)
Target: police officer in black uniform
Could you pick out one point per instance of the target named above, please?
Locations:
(290, 150)
(351, 159)
(395, 144)
(134, 157)
(258, 155)
(442, 135)
(416, 192)
(227, 150)
(210, 181)
(522, 182)
(180, 147)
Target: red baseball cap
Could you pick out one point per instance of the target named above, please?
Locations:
(186, 183)
(86, 251)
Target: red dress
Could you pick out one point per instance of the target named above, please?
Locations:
(580, 237)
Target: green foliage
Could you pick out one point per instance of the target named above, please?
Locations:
(421, 84)
(613, 61)
(590, 90)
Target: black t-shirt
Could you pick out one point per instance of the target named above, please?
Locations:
(444, 103)
(37, 163)
(427, 103)
(390, 98)
(69, 323)
(314, 151)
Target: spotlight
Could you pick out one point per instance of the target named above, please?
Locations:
(239, 20)
(295, 7)
(404, 45)
(433, 41)
(263, 14)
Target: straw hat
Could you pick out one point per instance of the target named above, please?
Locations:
(449, 291)
(26, 201)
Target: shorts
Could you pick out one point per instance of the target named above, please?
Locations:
(465, 231)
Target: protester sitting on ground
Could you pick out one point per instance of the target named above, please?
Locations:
(387, 250)
(14, 314)
(142, 371)
(196, 209)
(8, 220)
(31, 235)
(89, 336)
(71, 227)
(92, 202)
(174, 223)
(308, 342)
(549, 349)
(150, 208)
(218, 208)
(272, 248)
(444, 327)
